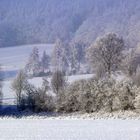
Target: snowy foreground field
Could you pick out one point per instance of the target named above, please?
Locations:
(27, 129)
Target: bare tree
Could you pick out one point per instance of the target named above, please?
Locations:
(19, 85)
(106, 52)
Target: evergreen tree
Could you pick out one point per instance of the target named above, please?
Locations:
(77, 55)
(56, 55)
(33, 65)
(60, 57)
(73, 60)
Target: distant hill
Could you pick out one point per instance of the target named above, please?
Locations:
(42, 21)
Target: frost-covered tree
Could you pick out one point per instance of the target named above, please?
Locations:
(33, 65)
(58, 85)
(131, 62)
(73, 60)
(45, 62)
(106, 52)
(1, 84)
(58, 82)
(18, 86)
(56, 55)
(60, 56)
(64, 60)
(77, 54)
(43, 101)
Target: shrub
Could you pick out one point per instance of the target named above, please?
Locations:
(39, 99)
(94, 95)
(30, 97)
(18, 85)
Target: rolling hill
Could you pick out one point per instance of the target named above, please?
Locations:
(42, 21)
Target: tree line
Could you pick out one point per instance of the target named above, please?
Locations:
(106, 57)
(67, 57)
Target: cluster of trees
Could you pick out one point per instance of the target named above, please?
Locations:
(67, 57)
(108, 54)
(35, 66)
(91, 95)
(103, 92)
(28, 96)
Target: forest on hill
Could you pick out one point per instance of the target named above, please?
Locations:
(43, 21)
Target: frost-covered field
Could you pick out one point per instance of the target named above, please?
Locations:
(15, 58)
(27, 129)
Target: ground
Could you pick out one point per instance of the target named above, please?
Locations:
(30, 129)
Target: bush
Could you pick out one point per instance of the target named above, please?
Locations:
(30, 97)
(39, 99)
(127, 91)
(70, 98)
(43, 102)
(94, 95)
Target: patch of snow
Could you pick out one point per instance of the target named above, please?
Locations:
(26, 129)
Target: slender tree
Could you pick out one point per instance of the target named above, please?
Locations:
(33, 65)
(19, 85)
(56, 55)
(60, 56)
(58, 82)
(77, 54)
(45, 62)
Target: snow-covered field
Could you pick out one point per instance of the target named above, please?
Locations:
(14, 58)
(30, 129)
